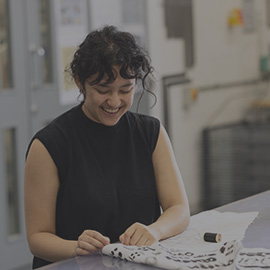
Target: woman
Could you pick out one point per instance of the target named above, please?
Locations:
(99, 173)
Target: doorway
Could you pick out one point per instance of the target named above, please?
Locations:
(29, 99)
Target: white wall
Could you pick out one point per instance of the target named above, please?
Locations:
(222, 55)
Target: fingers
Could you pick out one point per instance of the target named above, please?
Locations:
(90, 241)
(126, 236)
(138, 235)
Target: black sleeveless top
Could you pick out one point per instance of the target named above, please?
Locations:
(106, 174)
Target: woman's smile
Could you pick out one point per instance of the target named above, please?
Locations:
(111, 111)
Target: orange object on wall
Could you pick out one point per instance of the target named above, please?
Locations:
(235, 18)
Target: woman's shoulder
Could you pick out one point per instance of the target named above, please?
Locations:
(56, 131)
(60, 124)
(143, 118)
(56, 137)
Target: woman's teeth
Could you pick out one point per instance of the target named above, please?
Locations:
(111, 110)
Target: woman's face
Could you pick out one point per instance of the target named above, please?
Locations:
(107, 103)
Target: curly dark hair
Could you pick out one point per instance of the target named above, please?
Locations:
(105, 48)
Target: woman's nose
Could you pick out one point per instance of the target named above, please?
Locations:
(114, 100)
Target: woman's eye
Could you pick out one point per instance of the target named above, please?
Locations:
(126, 91)
(101, 92)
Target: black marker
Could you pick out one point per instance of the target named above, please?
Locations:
(212, 237)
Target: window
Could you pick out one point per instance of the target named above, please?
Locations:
(6, 83)
(11, 179)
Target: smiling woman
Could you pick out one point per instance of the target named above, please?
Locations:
(100, 173)
(106, 55)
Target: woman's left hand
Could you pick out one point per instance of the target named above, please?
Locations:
(140, 235)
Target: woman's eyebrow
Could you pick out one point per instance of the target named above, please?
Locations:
(102, 84)
(127, 84)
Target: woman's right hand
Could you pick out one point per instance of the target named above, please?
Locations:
(90, 241)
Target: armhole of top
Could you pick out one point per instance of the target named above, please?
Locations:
(157, 128)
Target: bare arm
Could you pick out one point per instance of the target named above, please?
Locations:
(40, 192)
(171, 190)
(172, 197)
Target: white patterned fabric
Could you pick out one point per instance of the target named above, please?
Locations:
(188, 250)
(253, 259)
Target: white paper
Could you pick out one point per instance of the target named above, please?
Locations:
(231, 225)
